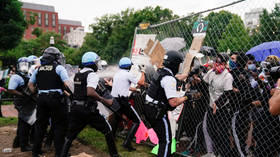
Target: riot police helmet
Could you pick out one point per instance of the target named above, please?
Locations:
(23, 65)
(32, 59)
(172, 60)
(90, 59)
(125, 63)
(53, 55)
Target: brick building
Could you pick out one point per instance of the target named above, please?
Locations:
(65, 26)
(47, 19)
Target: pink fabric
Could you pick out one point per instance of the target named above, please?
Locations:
(2, 89)
(141, 133)
(153, 136)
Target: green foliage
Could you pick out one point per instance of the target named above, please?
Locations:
(12, 24)
(8, 121)
(217, 25)
(112, 34)
(269, 28)
(235, 37)
(37, 31)
(36, 46)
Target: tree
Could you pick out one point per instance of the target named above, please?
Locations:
(12, 24)
(235, 37)
(37, 31)
(269, 27)
(36, 46)
(112, 34)
(217, 25)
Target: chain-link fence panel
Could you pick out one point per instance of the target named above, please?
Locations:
(232, 83)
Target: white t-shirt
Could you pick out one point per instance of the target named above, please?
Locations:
(218, 83)
(121, 83)
(168, 83)
(92, 79)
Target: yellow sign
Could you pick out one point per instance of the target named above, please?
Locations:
(144, 25)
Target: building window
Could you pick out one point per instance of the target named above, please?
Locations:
(39, 19)
(64, 30)
(53, 20)
(46, 19)
(59, 29)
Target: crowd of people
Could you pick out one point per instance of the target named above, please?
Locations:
(228, 97)
(237, 121)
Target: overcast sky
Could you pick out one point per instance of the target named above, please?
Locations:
(87, 10)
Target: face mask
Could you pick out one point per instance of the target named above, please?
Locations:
(232, 64)
(23, 67)
(252, 67)
(219, 68)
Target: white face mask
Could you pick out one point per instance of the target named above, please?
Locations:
(23, 67)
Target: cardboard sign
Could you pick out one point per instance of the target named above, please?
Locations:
(156, 54)
(138, 56)
(140, 43)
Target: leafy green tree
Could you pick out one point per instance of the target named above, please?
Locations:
(37, 31)
(12, 24)
(235, 37)
(216, 27)
(269, 28)
(112, 34)
(36, 46)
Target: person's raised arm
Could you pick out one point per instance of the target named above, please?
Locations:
(274, 101)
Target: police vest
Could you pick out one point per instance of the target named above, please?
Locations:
(47, 78)
(80, 85)
(24, 86)
(155, 91)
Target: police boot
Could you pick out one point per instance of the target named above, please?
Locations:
(16, 142)
(111, 144)
(26, 148)
(127, 142)
(65, 148)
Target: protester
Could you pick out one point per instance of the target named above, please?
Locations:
(274, 101)
(220, 111)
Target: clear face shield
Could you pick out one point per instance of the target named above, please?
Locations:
(181, 68)
(23, 67)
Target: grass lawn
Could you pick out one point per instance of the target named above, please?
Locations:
(8, 121)
(97, 140)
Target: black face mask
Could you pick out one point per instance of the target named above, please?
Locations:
(174, 68)
(93, 67)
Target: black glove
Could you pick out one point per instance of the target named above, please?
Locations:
(189, 96)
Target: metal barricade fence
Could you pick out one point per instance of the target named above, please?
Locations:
(242, 125)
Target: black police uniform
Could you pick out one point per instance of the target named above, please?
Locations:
(50, 105)
(156, 112)
(25, 106)
(84, 112)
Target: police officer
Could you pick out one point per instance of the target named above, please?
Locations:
(50, 78)
(84, 106)
(120, 91)
(34, 63)
(23, 103)
(162, 97)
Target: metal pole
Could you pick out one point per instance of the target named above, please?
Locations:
(132, 45)
(201, 12)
